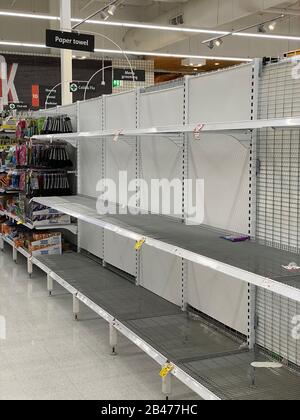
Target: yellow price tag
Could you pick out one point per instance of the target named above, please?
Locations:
(20, 222)
(166, 370)
(139, 244)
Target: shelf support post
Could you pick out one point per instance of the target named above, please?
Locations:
(66, 55)
(1, 243)
(15, 254)
(76, 307)
(167, 386)
(29, 266)
(113, 339)
(49, 284)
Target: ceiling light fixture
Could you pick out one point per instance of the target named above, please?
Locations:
(116, 23)
(261, 33)
(211, 45)
(105, 12)
(272, 26)
(112, 9)
(136, 53)
(261, 29)
(104, 15)
(218, 42)
(195, 62)
(158, 54)
(155, 27)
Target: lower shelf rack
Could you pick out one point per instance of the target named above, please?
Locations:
(208, 361)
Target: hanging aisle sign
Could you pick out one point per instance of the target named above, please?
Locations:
(70, 41)
(20, 106)
(126, 75)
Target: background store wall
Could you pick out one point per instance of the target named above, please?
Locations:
(44, 71)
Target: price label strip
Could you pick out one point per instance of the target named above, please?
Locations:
(197, 131)
(117, 135)
(139, 244)
(166, 370)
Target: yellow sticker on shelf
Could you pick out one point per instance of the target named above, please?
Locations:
(20, 222)
(139, 244)
(166, 370)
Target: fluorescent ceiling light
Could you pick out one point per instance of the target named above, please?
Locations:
(152, 26)
(268, 36)
(118, 24)
(146, 53)
(22, 44)
(28, 15)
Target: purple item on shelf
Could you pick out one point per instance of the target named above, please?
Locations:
(240, 238)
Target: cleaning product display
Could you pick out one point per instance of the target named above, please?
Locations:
(33, 154)
(36, 182)
(7, 145)
(54, 155)
(45, 183)
(9, 125)
(28, 127)
(40, 215)
(30, 168)
(57, 124)
(35, 243)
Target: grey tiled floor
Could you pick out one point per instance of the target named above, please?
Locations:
(44, 354)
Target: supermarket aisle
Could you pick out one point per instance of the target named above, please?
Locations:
(44, 354)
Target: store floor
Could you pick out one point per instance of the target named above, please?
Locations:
(45, 355)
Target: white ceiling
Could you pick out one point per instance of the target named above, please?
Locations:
(221, 14)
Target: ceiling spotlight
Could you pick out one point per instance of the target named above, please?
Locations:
(195, 62)
(211, 45)
(272, 26)
(104, 15)
(261, 29)
(112, 9)
(218, 42)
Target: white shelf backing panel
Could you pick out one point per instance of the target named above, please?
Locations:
(120, 110)
(90, 115)
(221, 297)
(90, 171)
(250, 262)
(91, 239)
(220, 96)
(162, 274)
(162, 107)
(225, 172)
(161, 159)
